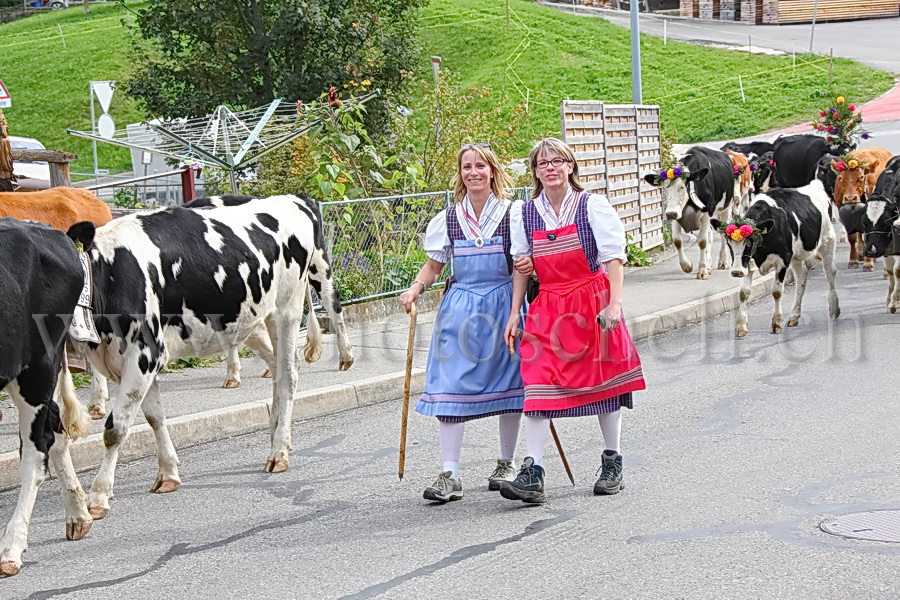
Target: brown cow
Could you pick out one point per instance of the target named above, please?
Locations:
(59, 207)
(743, 181)
(852, 187)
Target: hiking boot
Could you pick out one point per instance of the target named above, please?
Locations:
(504, 472)
(528, 485)
(444, 488)
(610, 481)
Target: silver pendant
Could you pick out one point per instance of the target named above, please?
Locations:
(479, 242)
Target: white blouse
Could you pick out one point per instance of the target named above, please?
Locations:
(609, 233)
(439, 247)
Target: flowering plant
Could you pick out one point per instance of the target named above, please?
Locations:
(848, 161)
(841, 122)
(740, 229)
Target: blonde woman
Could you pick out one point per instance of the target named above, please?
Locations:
(577, 356)
(470, 374)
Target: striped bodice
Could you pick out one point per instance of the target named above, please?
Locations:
(455, 232)
(532, 221)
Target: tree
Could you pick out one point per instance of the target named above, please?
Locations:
(193, 56)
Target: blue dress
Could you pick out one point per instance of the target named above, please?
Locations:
(470, 374)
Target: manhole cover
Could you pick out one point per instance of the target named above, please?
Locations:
(876, 525)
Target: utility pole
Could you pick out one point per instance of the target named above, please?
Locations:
(636, 95)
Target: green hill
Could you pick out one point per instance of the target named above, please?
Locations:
(47, 60)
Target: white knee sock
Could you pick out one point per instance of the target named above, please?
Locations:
(611, 427)
(536, 431)
(510, 424)
(451, 436)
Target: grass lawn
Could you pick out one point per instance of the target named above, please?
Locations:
(47, 60)
(547, 56)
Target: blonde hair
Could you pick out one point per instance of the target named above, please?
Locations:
(501, 182)
(555, 146)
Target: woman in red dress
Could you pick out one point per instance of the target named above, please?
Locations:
(577, 356)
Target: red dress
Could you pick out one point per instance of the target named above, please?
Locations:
(569, 363)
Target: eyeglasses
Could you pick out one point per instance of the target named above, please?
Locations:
(479, 144)
(556, 162)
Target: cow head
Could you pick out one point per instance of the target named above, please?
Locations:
(82, 233)
(826, 174)
(850, 183)
(675, 190)
(742, 247)
(882, 214)
(765, 166)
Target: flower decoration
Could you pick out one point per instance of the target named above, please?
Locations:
(741, 229)
(848, 162)
(677, 171)
(841, 122)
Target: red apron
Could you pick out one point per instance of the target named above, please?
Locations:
(567, 359)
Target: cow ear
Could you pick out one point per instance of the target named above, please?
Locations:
(871, 166)
(834, 166)
(652, 178)
(715, 223)
(765, 226)
(82, 232)
(698, 174)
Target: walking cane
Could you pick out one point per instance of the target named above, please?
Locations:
(406, 381)
(512, 349)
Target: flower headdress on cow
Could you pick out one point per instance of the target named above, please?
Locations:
(841, 123)
(739, 169)
(740, 229)
(676, 171)
(848, 161)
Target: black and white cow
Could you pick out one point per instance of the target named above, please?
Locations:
(180, 282)
(797, 158)
(705, 191)
(882, 226)
(42, 281)
(760, 154)
(795, 228)
(748, 149)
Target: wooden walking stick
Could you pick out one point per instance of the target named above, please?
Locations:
(562, 454)
(406, 381)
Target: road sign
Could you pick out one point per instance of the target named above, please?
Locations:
(5, 100)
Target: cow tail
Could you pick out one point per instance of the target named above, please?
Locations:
(312, 350)
(74, 415)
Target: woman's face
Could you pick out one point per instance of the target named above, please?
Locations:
(552, 175)
(476, 173)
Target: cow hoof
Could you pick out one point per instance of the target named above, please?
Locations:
(165, 486)
(853, 264)
(740, 333)
(267, 374)
(96, 412)
(8, 568)
(722, 266)
(793, 322)
(76, 531)
(776, 328)
(98, 512)
(687, 267)
(231, 384)
(868, 267)
(702, 275)
(345, 364)
(276, 466)
(893, 310)
(885, 275)
(843, 239)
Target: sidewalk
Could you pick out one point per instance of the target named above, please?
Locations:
(657, 299)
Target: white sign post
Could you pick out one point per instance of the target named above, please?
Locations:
(5, 100)
(105, 126)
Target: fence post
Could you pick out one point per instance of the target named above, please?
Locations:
(187, 184)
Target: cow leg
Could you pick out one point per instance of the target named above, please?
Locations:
(331, 300)
(868, 263)
(35, 435)
(260, 342)
(283, 330)
(132, 389)
(777, 294)
(801, 275)
(744, 298)
(704, 239)
(232, 368)
(678, 240)
(827, 253)
(99, 395)
(854, 257)
(78, 519)
(723, 251)
(893, 300)
(839, 226)
(167, 478)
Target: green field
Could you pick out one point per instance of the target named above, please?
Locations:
(47, 60)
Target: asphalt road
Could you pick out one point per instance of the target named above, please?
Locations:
(734, 456)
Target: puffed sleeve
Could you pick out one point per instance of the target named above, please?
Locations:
(518, 245)
(609, 233)
(437, 242)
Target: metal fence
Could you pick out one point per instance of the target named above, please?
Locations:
(143, 192)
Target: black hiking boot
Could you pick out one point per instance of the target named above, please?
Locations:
(610, 481)
(528, 486)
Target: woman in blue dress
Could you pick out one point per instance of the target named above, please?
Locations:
(470, 374)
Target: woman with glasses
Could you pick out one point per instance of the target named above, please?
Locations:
(577, 356)
(470, 374)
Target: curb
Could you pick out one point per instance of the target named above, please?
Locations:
(212, 425)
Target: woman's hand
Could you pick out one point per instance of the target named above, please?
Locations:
(408, 297)
(524, 265)
(512, 332)
(613, 315)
